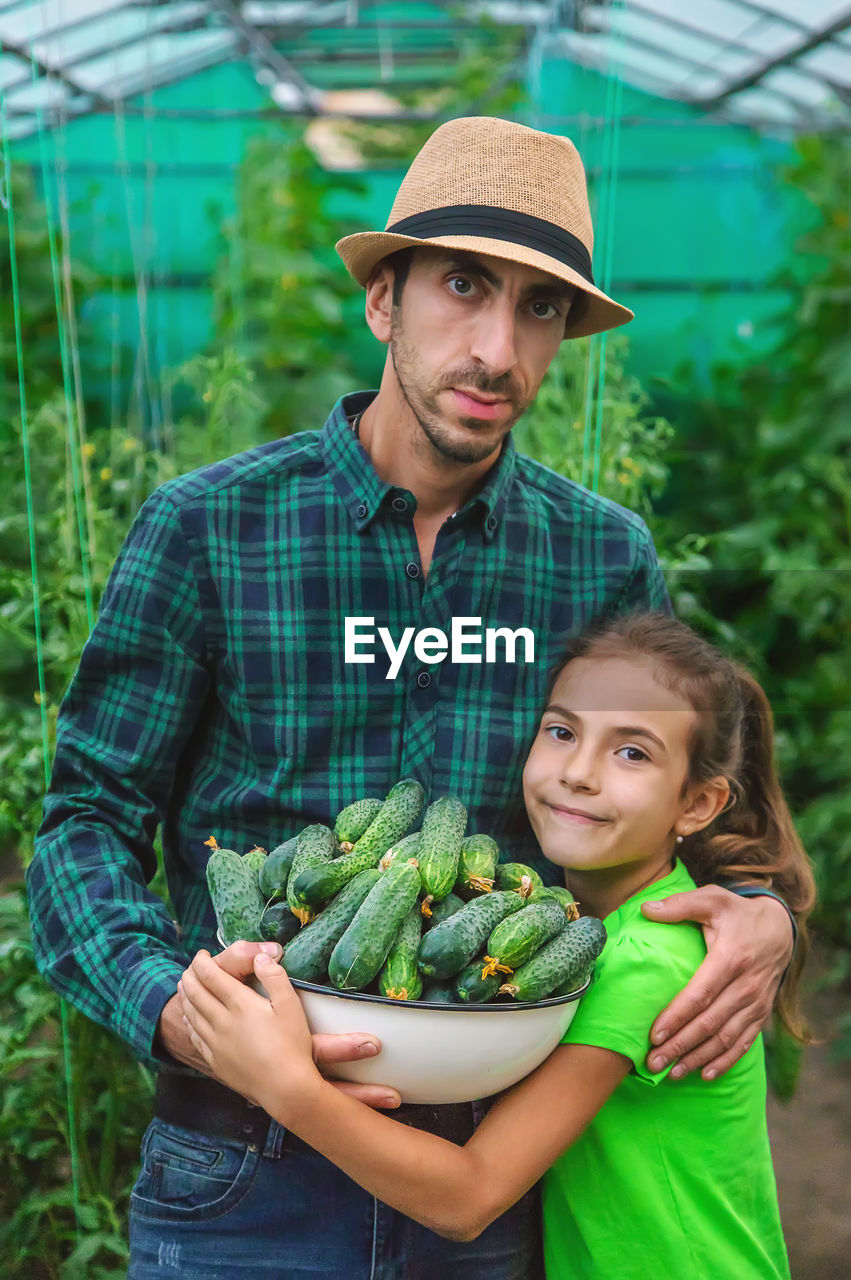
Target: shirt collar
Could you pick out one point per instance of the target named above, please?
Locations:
(362, 489)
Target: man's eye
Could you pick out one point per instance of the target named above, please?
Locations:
(544, 310)
(461, 286)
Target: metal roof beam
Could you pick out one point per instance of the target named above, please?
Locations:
(90, 20)
(772, 64)
(693, 63)
(268, 54)
(728, 42)
(188, 25)
(107, 106)
(772, 15)
(49, 73)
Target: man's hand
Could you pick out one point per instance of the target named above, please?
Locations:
(238, 960)
(717, 1017)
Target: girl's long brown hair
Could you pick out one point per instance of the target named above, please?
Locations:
(753, 840)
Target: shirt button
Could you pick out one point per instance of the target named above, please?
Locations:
(424, 679)
(412, 570)
(399, 504)
(361, 511)
(491, 522)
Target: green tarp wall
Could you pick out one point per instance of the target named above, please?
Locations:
(702, 221)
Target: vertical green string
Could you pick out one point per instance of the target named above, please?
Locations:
(39, 644)
(595, 381)
(72, 426)
(67, 310)
(609, 234)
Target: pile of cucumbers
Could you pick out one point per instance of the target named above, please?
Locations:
(426, 915)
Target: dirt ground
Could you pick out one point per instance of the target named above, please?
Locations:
(811, 1145)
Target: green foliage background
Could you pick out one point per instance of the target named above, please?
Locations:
(745, 484)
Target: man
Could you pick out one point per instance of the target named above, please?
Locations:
(305, 624)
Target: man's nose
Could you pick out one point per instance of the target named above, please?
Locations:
(495, 338)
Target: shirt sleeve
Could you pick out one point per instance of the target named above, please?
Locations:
(636, 977)
(645, 587)
(101, 938)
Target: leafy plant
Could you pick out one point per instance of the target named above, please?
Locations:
(110, 1095)
(36, 310)
(627, 461)
(762, 469)
(279, 293)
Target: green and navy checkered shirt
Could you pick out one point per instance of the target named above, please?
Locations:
(213, 697)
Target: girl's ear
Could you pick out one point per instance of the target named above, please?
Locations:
(705, 803)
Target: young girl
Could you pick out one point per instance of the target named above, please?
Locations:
(651, 771)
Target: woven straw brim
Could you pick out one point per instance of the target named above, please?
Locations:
(360, 253)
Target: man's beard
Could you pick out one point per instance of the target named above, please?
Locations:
(479, 443)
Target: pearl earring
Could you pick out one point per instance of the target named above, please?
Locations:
(679, 839)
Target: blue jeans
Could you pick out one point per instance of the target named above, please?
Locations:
(209, 1209)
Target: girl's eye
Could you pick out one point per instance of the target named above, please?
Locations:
(544, 310)
(461, 286)
(634, 754)
(560, 732)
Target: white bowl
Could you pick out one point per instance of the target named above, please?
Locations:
(441, 1053)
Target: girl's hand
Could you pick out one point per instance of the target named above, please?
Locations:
(260, 1048)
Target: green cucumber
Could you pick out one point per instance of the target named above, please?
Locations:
(440, 848)
(447, 947)
(399, 811)
(439, 993)
(353, 821)
(472, 987)
(568, 958)
(316, 846)
(442, 910)
(364, 947)
(562, 895)
(255, 859)
(278, 924)
(276, 869)
(307, 955)
(476, 865)
(403, 850)
(400, 978)
(517, 876)
(316, 885)
(515, 940)
(237, 900)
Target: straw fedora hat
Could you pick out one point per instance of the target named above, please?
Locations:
(498, 188)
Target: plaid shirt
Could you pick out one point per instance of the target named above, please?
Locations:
(213, 696)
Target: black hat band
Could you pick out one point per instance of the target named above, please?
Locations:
(493, 223)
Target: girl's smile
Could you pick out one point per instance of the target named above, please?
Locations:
(604, 782)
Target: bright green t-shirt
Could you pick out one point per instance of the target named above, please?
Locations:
(672, 1177)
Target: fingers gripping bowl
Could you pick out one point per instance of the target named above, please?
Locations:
(467, 970)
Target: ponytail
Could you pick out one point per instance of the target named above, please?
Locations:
(754, 839)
